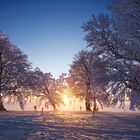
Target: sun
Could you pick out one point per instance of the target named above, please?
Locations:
(67, 103)
(66, 99)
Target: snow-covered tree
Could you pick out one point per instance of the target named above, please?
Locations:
(81, 80)
(14, 72)
(126, 14)
(116, 41)
(47, 89)
(62, 83)
(80, 77)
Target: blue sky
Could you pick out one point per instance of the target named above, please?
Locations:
(48, 31)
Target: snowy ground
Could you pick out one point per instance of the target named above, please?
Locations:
(69, 126)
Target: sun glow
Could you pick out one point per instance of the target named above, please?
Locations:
(66, 100)
(70, 103)
(67, 103)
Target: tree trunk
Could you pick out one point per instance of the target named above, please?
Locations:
(95, 108)
(54, 107)
(1, 105)
(87, 103)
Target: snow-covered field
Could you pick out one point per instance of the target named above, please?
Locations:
(69, 126)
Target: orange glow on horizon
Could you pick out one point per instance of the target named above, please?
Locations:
(66, 100)
(70, 102)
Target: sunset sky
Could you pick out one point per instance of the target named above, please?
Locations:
(48, 31)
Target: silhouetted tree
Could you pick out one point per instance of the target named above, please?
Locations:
(14, 72)
(81, 80)
(47, 89)
(116, 42)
